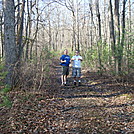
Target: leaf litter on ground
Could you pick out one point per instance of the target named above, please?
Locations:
(100, 105)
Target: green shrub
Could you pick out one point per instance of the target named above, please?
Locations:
(4, 89)
(6, 102)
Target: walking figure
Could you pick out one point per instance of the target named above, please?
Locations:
(76, 68)
(65, 61)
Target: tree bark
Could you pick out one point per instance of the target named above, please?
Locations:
(117, 34)
(9, 39)
(92, 24)
(112, 34)
(129, 38)
(1, 31)
(99, 41)
(20, 44)
(28, 29)
(123, 37)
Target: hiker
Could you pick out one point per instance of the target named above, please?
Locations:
(76, 68)
(65, 61)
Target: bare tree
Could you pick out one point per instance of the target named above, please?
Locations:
(34, 39)
(99, 41)
(112, 33)
(123, 37)
(9, 39)
(117, 33)
(92, 24)
(129, 38)
(71, 7)
(20, 26)
(1, 31)
(28, 29)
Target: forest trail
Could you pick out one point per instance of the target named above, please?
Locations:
(100, 106)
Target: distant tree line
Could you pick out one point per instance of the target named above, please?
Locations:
(102, 30)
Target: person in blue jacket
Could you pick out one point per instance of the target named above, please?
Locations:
(65, 61)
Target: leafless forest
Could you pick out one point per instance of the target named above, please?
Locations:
(33, 35)
(101, 29)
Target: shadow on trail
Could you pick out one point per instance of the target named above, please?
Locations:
(99, 90)
(95, 107)
(98, 96)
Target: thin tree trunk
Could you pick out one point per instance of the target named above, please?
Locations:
(1, 31)
(74, 33)
(123, 36)
(20, 31)
(117, 34)
(78, 29)
(99, 42)
(92, 24)
(112, 34)
(28, 30)
(34, 39)
(105, 23)
(129, 39)
(35, 35)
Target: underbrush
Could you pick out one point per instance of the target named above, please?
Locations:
(4, 89)
(31, 75)
(37, 73)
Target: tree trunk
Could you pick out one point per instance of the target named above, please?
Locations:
(112, 34)
(34, 34)
(20, 45)
(99, 42)
(28, 29)
(129, 39)
(123, 37)
(92, 23)
(74, 31)
(78, 28)
(117, 34)
(1, 31)
(74, 39)
(9, 39)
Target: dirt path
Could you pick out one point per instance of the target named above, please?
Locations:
(100, 106)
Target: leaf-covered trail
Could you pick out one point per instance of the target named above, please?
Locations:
(100, 106)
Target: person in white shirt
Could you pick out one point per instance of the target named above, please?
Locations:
(76, 68)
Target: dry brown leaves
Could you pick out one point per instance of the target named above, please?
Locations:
(99, 106)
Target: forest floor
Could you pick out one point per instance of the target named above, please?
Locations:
(101, 105)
